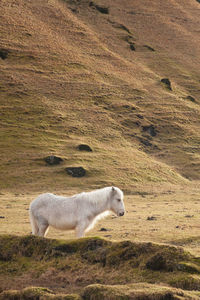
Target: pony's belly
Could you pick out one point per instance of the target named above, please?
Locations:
(63, 225)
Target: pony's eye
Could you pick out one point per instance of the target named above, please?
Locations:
(118, 200)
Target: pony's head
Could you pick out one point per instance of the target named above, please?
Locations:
(116, 201)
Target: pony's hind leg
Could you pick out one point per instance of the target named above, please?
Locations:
(43, 226)
(43, 229)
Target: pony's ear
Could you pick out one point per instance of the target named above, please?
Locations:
(113, 189)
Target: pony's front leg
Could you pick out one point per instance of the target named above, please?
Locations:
(81, 227)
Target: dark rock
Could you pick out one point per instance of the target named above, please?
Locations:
(149, 48)
(101, 9)
(191, 98)
(152, 218)
(2, 217)
(136, 123)
(84, 147)
(146, 142)
(140, 116)
(129, 107)
(74, 9)
(53, 160)
(167, 83)
(3, 53)
(150, 129)
(103, 229)
(132, 46)
(76, 171)
(121, 26)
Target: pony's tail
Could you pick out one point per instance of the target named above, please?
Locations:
(33, 222)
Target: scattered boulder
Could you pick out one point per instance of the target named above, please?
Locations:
(150, 129)
(132, 46)
(76, 171)
(146, 142)
(53, 160)
(140, 116)
(152, 218)
(129, 107)
(103, 229)
(149, 48)
(121, 26)
(84, 147)
(3, 53)
(167, 83)
(101, 9)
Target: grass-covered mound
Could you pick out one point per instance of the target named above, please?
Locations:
(69, 267)
(93, 251)
(36, 293)
(98, 292)
(139, 291)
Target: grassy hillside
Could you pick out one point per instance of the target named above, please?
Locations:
(76, 72)
(123, 78)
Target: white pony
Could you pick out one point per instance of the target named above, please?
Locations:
(79, 212)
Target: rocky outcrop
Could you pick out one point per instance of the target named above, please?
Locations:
(76, 171)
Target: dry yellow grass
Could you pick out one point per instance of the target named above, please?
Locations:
(175, 211)
(71, 76)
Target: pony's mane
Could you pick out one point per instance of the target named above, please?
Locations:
(97, 195)
(94, 196)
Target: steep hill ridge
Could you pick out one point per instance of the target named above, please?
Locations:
(71, 74)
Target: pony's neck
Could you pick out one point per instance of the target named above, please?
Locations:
(100, 205)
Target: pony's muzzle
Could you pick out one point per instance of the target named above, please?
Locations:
(121, 213)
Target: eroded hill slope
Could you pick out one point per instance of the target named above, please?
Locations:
(90, 72)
